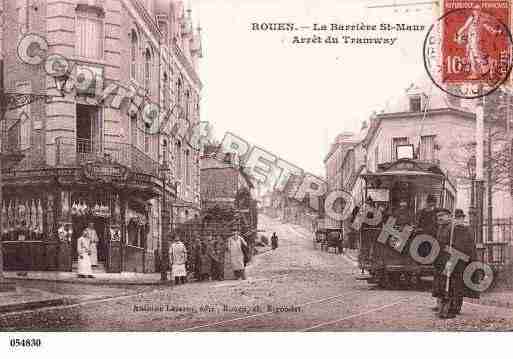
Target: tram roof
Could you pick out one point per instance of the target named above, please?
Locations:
(422, 174)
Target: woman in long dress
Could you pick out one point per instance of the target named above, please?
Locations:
(93, 236)
(177, 259)
(84, 256)
(235, 244)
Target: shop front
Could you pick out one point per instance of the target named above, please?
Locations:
(45, 211)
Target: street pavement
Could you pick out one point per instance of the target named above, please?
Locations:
(293, 288)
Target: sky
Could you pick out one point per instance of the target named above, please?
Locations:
(293, 100)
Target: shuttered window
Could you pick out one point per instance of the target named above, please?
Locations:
(427, 148)
(89, 31)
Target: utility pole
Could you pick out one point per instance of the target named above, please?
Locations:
(479, 168)
(489, 236)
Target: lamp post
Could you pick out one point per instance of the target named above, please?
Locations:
(164, 263)
(471, 167)
(10, 101)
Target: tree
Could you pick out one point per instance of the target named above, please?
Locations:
(498, 111)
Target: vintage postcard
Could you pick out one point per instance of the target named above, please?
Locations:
(255, 166)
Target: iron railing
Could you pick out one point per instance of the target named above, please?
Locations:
(76, 152)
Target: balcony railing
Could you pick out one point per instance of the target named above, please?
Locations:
(75, 152)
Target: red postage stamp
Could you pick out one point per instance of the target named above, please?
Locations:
(476, 41)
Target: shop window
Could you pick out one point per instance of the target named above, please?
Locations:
(89, 32)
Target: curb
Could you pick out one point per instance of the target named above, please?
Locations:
(18, 307)
(93, 282)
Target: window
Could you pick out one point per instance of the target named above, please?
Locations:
(89, 31)
(376, 157)
(25, 131)
(146, 142)
(415, 104)
(147, 70)
(179, 160)
(133, 131)
(187, 168)
(179, 85)
(133, 54)
(397, 141)
(166, 92)
(427, 148)
(187, 104)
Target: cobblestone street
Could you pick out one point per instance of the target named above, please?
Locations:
(294, 288)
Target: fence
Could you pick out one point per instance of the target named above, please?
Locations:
(498, 249)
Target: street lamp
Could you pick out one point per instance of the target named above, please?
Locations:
(164, 169)
(10, 101)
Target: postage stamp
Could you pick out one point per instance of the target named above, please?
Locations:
(473, 46)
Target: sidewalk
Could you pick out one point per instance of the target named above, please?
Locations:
(125, 278)
(30, 299)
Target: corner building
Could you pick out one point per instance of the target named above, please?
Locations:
(84, 160)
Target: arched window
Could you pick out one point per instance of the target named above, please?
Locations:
(24, 131)
(147, 70)
(133, 54)
(179, 160)
(187, 168)
(179, 85)
(166, 91)
(187, 104)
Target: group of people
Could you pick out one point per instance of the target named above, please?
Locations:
(206, 257)
(439, 224)
(449, 290)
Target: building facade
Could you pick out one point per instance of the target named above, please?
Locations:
(441, 130)
(89, 155)
(333, 165)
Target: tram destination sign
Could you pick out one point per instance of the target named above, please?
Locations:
(105, 172)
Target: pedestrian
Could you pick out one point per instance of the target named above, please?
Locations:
(402, 214)
(205, 262)
(236, 252)
(464, 243)
(218, 258)
(274, 241)
(426, 219)
(84, 256)
(178, 259)
(93, 236)
(443, 238)
(196, 258)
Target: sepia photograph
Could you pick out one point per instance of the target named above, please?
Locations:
(259, 166)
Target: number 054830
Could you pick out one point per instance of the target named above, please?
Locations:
(25, 343)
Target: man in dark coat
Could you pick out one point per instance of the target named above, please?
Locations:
(426, 219)
(274, 241)
(443, 237)
(464, 243)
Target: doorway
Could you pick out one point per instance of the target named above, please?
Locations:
(101, 225)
